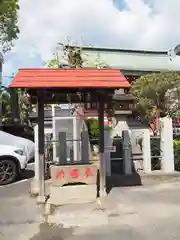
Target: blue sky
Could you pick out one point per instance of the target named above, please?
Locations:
(130, 24)
(121, 4)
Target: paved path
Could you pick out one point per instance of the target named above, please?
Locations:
(17, 210)
(130, 213)
(137, 213)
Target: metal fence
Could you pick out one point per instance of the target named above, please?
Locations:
(155, 153)
(64, 153)
(176, 128)
(176, 136)
(55, 155)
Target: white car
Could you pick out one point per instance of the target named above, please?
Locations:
(25, 144)
(12, 161)
(15, 153)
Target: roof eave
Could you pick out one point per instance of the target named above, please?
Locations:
(153, 52)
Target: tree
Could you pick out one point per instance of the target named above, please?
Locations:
(8, 23)
(53, 63)
(73, 56)
(4, 104)
(151, 95)
(93, 127)
(24, 105)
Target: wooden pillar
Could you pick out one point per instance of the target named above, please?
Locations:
(101, 147)
(41, 143)
(107, 156)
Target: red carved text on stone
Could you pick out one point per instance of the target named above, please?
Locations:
(88, 172)
(60, 174)
(74, 173)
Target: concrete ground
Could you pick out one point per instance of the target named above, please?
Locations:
(17, 210)
(151, 212)
(128, 213)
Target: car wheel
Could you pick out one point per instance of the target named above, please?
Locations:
(8, 171)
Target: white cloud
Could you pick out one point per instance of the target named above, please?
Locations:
(148, 24)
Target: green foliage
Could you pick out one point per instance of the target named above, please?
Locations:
(73, 56)
(5, 103)
(155, 146)
(155, 151)
(151, 93)
(8, 23)
(24, 104)
(53, 63)
(177, 154)
(176, 142)
(107, 128)
(93, 127)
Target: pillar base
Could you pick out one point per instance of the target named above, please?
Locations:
(41, 200)
(34, 187)
(48, 209)
(103, 193)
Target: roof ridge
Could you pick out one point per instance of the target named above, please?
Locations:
(125, 50)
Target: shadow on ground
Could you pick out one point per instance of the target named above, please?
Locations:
(119, 179)
(48, 232)
(53, 232)
(27, 174)
(123, 181)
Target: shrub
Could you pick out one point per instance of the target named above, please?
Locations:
(155, 151)
(177, 154)
(93, 129)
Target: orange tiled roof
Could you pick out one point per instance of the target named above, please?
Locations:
(69, 77)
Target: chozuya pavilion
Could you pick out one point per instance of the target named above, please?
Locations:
(94, 85)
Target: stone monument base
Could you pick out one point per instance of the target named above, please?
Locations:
(72, 194)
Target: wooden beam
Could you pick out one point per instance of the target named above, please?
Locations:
(71, 98)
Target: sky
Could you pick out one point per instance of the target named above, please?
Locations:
(129, 24)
